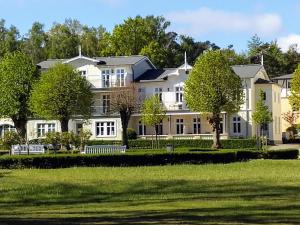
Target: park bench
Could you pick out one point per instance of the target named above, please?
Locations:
(103, 149)
(23, 149)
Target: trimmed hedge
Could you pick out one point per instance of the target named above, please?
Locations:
(282, 154)
(198, 143)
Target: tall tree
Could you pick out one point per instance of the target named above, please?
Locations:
(34, 43)
(9, 39)
(294, 98)
(60, 94)
(212, 88)
(153, 113)
(124, 101)
(17, 76)
(64, 39)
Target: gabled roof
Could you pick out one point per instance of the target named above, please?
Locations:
(246, 71)
(283, 77)
(155, 75)
(108, 61)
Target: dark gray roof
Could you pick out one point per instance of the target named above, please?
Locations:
(121, 60)
(283, 77)
(49, 63)
(109, 61)
(155, 74)
(246, 71)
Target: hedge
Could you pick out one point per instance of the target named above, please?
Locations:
(282, 154)
(198, 143)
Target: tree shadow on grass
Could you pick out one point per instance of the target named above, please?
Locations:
(252, 202)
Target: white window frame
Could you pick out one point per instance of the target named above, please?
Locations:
(179, 126)
(179, 94)
(83, 73)
(43, 128)
(120, 77)
(105, 103)
(158, 92)
(105, 78)
(197, 125)
(237, 125)
(106, 128)
(6, 128)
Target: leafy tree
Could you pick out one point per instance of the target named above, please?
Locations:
(34, 43)
(9, 39)
(254, 45)
(60, 94)
(212, 87)
(124, 101)
(10, 138)
(156, 53)
(261, 116)
(153, 113)
(64, 39)
(17, 76)
(290, 117)
(294, 98)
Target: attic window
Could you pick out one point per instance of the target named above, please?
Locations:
(264, 96)
(187, 72)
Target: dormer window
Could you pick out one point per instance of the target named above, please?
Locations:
(120, 73)
(179, 94)
(83, 73)
(105, 78)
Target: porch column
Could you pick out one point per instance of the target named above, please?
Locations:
(170, 125)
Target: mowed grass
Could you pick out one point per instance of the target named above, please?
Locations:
(255, 192)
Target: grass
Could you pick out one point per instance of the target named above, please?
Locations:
(256, 192)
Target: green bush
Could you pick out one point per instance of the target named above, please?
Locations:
(282, 154)
(196, 143)
(131, 134)
(62, 161)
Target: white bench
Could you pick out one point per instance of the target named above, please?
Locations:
(104, 149)
(23, 149)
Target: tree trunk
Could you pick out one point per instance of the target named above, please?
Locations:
(124, 120)
(64, 124)
(215, 122)
(156, 142)
(20, 125)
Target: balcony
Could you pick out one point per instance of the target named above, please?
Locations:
(112, 84)
(100, 111)
(177, 107)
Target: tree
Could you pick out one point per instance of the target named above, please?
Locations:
(294, 98)
(290, 117)
(261, 116)
(124, 101)
(60, 94)
(9, 39)
(212, 87)
(153, 113)
(156, 53)
(34, 43)
(17, 76)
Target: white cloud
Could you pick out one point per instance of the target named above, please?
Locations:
(206, 20)
(112, 3)
(285, 42)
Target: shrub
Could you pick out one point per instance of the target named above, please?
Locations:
(282, 154)
(10, 138)
(84, 136)
(131, 134)
(53, 138)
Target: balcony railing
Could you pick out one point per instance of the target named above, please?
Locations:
(112, 84)
(177, 106)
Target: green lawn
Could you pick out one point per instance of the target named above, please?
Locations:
(255, 192)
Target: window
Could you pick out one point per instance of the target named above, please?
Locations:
(221, 126)
(289, 84)
(179, 126)
(79, 127)
(237, 125)
(105, 103)
(82, 73)
(105, 78)
(6, 128)
(264, 96)
(43, 128)
(120, 78)
(179, 94)
(159, 128)
(197, 125)
(158, 93)
(105, 129)
(142, 128)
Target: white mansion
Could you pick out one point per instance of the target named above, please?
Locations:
(180, 122)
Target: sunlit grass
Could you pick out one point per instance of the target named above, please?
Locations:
(256, 192)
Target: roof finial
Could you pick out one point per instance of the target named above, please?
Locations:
(185, 61)
(79, 50)
(262, 59)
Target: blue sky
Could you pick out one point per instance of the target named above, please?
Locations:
(223, 22)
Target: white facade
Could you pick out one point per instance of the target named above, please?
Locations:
(104, 73)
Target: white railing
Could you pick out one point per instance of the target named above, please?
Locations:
(23, 149)
(184, 136)
(104, 149)
(177, 106)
